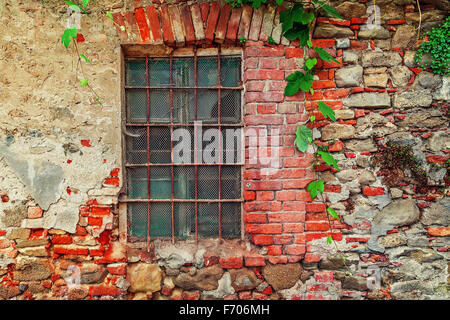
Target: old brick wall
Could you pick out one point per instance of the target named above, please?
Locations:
(61, 160)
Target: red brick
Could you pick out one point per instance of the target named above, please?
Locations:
(285, 195)
(278, 259)
(439, 231)
(264, 228)
(263, 185)
(119, 269)
(95, 221)
(395, 22)
(264, 52)
(283, 239)
(315, 207)
(204, 8)
(255, 217)
(295, 249)
(232, 262)
(294, 53)
(324, 276)
(286, 217)
(233, 24)
(263, 97)
(265, 195)
(112, 181)
(356, 45)
(100, 210)
(262, 239)
(142, 24)
(297, 162)
(358, 20)
(222, 23)
(255, 261)
(323, 84)
(132, 23)
(61, 239)
(104, 290)
(264, 75)
(273, 250)
(293, 228)
(256, 206)
(249, 195)
(213, 17)
(118, 23)
(153, 20)
(323, 43)
(336, 94)
(70, 251)
(188, 25)
(373, 191)
(310, 257)
(166, 26)
(316, 226)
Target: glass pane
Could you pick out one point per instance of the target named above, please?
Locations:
(159, 145)
(137, 213)
(159, 72)
(137, 183)
(230, 109)
(211, 140)
(208, 220)
(184, 220)
(184, 182)
(231, 182)
(136, 145)
(135, 73)
(231, 220)
(208, 182)
(159, 106)
(183, 72)
(207, 74)
(207, 106)
(232, 145)
(136, 105)
(183, 100)
(160, 219)
(230, 71)
(160, 182)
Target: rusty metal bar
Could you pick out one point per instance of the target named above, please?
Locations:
(219, 112)
(184, 87)
(181, 200)
(195, 145)
(171, 147)
(148, 155)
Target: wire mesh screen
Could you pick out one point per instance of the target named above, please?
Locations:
(199, 196)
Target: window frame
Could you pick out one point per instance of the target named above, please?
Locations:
(124, 227)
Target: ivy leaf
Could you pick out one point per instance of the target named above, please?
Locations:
(85, 58)
(68, 35)
(328, 9)
(83, 82)
(325, 55)
(333, 213)
(287, 21)
(303, 136)
(309, 43)
(328, 158)
(306, 82)
(326, 111)
(279, 2)
(329, 240)
(85, 3)
(257, 3)
(314, 187)
(291, 88)
(108, 13)
(310, 63)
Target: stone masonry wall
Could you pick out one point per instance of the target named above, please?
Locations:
(62, 173)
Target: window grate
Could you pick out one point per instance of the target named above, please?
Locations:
(199, 197)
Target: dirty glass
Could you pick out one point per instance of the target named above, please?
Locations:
(162, 95)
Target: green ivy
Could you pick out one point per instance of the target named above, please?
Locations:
(437, 47)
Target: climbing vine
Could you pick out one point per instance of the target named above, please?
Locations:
(437, 49)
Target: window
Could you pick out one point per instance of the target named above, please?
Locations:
(193, 198)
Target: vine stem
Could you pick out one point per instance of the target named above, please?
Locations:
(79, 62)
(420, 19)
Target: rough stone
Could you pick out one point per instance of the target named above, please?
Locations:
(19, 233)
(355, 283)
(439, 141)
(393, 240)
(350, 10)
(437, 214)
(349, 76)
(381, 59)
(400, 75)
(366, 145)
(418, 118)
(224, 289)
(332, 31)
(398, 213)
(28, 269)
(347, 175)
(350, 57)
(378, 80)
(408, 58)
(375, 33)
(427, 80)
(244, 279)
(409, 99)
(403, 36)
(338, 131)
(342, 43)
(14, 217)
(366, 177)
(282, 276)
(444, 92)
(368, 100)
(204, 279)
(144, 277)
(173, 257)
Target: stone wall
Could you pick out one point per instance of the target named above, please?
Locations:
(62, 172)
